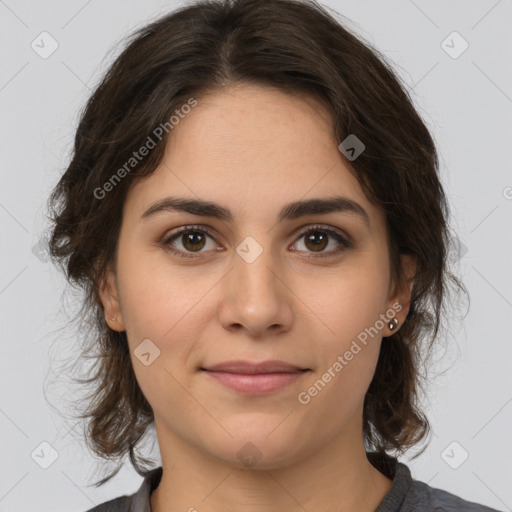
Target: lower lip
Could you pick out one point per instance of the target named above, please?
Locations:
(256, 384)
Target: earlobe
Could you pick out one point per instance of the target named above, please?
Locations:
(109, 296)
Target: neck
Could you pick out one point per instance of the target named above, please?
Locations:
(337, 478)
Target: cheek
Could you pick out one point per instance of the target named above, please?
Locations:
(348, 301)
(170, 307)
(156, 299)
(349, 305)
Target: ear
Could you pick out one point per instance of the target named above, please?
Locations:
(109, 295)
(399, 299)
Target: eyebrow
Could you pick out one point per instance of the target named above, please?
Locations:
(295, 210)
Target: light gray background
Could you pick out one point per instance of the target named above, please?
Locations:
(467, 103)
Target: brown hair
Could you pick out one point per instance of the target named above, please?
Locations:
(298, 47)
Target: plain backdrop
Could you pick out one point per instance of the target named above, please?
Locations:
(463, 94)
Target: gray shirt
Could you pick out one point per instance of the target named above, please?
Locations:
(405, 495)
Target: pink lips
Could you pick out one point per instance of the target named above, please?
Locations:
(255, 378)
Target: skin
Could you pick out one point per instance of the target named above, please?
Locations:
(254, 149)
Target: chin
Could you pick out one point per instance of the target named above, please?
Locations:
(257, 450)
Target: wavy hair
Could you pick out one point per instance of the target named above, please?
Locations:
(299, 47)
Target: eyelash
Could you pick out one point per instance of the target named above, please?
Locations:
(166, 242)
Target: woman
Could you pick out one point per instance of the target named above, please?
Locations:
(254, 212)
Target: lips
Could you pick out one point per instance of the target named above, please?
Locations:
(250, 368)
(255, 378)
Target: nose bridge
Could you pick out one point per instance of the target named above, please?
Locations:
(255, 263)
(256, 298)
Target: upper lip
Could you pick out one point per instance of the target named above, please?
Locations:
(249, 367)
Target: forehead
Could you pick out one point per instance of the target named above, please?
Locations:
(262, 125)
(252, 148)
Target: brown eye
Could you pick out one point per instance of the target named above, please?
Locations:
(191, 239)
(316, 239)
(194, 239)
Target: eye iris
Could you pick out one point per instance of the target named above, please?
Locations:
(193, 238)
(321, 240)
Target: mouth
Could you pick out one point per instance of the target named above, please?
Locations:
(255, 378)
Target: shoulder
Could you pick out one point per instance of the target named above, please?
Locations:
(120, 504)
(139, 501)
(439, 500)
(410, 495)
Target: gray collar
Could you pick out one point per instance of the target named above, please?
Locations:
(141, 501)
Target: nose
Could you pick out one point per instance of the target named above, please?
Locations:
(256, 296)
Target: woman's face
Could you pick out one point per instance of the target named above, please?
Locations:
(272, 282)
